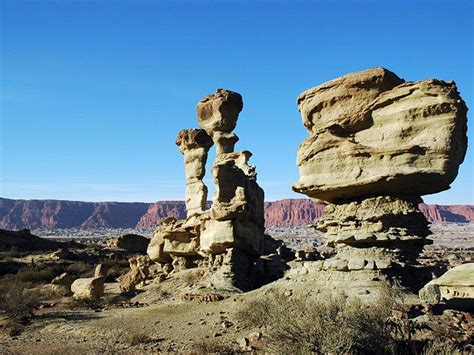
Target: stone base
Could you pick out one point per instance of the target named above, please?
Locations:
(375, 232)
(357, 282)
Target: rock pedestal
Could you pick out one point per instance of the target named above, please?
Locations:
(376, 144)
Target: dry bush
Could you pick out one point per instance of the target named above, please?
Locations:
(441, 347)
(212, 346)
(36, 275)
(79, 269)
(324, 325)
(18, 301)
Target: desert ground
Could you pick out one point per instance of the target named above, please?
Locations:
(179, 314)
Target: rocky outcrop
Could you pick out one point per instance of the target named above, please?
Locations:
(375, 145)
(15, 214)
(137, 275)
(228, 237)
(62, 284)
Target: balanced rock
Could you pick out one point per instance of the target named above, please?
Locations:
(375, 145)
(231, 232)
(380, 138)
(218, 114)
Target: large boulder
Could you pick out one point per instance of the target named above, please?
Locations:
(372, 134)
(455, 284)
(90, 289)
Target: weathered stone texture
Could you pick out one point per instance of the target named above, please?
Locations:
(376, 145)
(408, 139)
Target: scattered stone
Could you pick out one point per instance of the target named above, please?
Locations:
(62, 284)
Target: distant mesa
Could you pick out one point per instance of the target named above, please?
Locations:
(51, 214)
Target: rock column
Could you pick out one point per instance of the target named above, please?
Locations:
(194, 144)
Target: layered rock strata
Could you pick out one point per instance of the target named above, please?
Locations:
(376, 144)
(227, 238)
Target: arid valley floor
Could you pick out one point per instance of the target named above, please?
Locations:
(179, 314)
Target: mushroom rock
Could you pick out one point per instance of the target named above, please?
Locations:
(217, 115)
(376, 144)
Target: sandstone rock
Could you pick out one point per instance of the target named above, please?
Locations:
(340, 102)
(62, 284)
(131, 242)
(430, 294)
(139, 272)
(89, 289)
(407, 139)
(194, 144)
(218, 114)
(456, 283)
(155, 248)
(376, 145)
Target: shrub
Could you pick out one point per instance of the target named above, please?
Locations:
(36, 275)
(17, 300)
(440, 347)
(212, 346)
(80, 269)
(323, 325)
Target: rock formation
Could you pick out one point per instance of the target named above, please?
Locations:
(376, 145)
(228, 237)
(90, 289)
(194, 144)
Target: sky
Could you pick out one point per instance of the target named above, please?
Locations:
(93, 93)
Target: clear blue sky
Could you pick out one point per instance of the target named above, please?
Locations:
(93, 93)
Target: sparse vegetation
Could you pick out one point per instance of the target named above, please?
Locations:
(36, 274)
(322, 325)
(212, 346)
(17, 302)
(441, 347)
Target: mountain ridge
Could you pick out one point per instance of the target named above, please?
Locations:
(51, 214)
